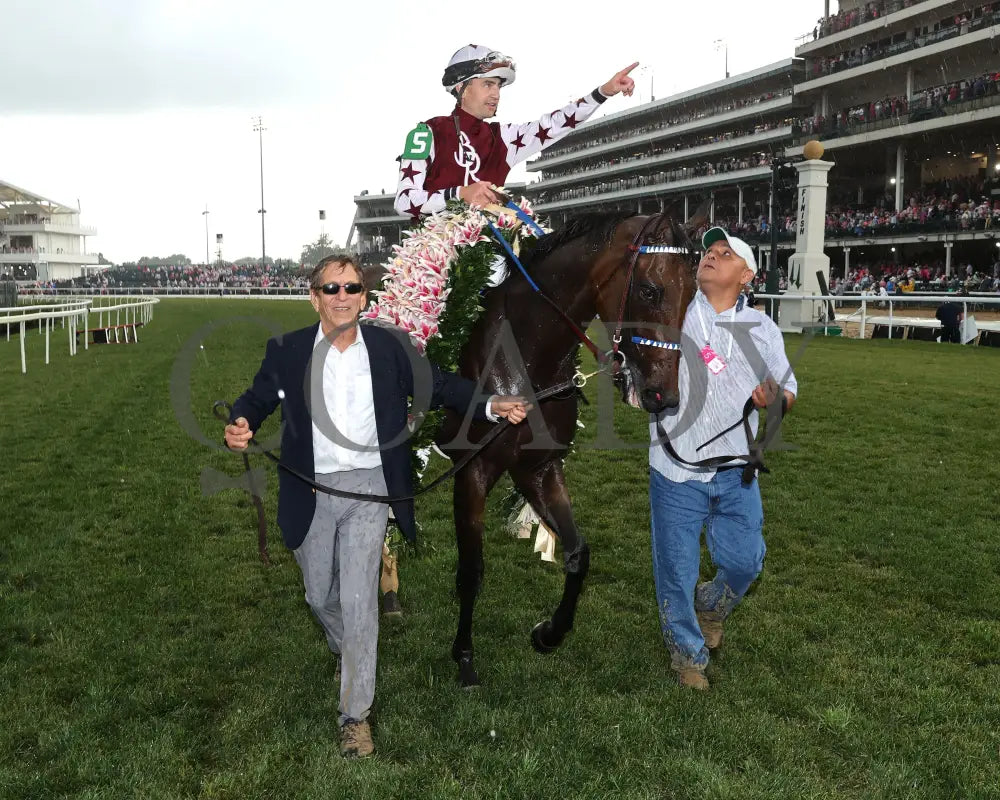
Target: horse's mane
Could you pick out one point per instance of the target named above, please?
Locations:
(597, 231)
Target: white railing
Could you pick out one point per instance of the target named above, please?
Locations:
(863, 317)
(257, 292)
(74, 314)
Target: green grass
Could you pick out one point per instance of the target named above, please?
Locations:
(144, 651)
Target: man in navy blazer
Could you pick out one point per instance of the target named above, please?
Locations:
(344, 401)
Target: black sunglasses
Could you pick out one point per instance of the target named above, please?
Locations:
(350, 288)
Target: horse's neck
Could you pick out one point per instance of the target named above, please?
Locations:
(548, 348)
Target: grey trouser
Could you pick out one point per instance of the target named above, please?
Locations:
(340, 560)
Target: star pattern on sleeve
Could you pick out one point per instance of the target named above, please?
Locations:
(518, 142)
(408, 172)
(415, 210)
(570, 121)
(543, 134)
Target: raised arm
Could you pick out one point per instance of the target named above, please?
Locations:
(528, 138)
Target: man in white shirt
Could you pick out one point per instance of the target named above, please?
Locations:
(730, 352)
(344, 399)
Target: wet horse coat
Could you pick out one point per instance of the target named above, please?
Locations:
(521, 343)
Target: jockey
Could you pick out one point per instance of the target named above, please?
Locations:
(460, 156)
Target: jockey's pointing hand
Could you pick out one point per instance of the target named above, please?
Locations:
(478, 194)
(238, 434)
(621, 82)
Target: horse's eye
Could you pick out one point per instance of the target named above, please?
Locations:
(648, 294)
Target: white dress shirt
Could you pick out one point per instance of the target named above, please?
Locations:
(347, 392)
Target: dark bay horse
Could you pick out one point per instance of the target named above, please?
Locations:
(585, 268)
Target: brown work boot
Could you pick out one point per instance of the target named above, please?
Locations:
(711, 629)
(692, 678)
(356, 739)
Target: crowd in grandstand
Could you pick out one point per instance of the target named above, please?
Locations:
(664, 149)
(959, 25)
(666, 121)
(221, 277)
(935, 97)
(749, 161)
(891, 278)
(848, 18)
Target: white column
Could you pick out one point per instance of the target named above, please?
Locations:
(711, 210)
(638, 204)
(687, 212)
(847, 262)
(810, 232)
(900, 165)
(739, 206)
(947, 259)
(824, 103)
(909, 85)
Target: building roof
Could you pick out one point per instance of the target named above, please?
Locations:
(10, 194)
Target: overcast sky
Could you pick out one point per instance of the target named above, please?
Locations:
(142, 109)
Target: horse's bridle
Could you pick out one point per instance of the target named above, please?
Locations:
(636, 249)
(614, 359)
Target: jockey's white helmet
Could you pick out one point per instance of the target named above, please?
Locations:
(477, 61)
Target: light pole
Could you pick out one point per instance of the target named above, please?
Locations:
(721, 44)
(258, 126)
(205, 215)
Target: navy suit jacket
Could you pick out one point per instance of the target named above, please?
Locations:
(398, 373)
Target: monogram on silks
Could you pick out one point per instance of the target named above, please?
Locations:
(468, 158)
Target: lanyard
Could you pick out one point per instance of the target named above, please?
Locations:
(704, 327)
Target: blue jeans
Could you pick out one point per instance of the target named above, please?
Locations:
(733, 518)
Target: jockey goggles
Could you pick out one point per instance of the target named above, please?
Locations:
(477, 61)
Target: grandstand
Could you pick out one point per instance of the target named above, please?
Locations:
(41, 239)
(904, 97)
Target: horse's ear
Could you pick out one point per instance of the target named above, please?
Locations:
(699, 218)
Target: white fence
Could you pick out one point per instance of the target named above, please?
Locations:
(254, 292)
(75, 317)
(872, 310)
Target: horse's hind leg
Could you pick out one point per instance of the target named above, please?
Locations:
(546, 490)
(472, 484)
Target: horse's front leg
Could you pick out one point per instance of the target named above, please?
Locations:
(472, 485)
(545, 489)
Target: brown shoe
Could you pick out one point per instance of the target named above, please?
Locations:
(356, 739)
(692, 678)
(711, 629)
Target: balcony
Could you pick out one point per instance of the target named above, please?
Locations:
(46, 227)
(657, 187)
(892, 13)
(659, 133)
(31, 255)
(643, 161)
(942, 42)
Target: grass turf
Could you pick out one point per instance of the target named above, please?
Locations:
(145, 652)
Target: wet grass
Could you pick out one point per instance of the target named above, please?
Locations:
(144, 651)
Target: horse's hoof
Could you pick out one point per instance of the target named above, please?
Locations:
(467, 677)
(391, 609)
(538, 636)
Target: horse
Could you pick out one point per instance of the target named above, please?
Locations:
(594, 266)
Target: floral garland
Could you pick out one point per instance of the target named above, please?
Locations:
(433, 281)
(432, 289)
